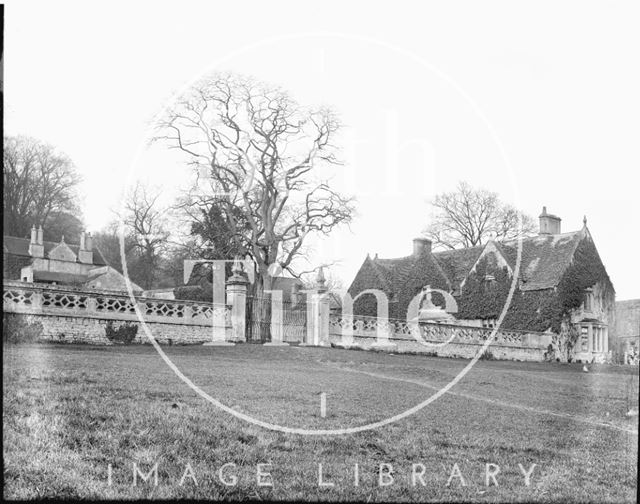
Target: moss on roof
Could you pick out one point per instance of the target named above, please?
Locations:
(545, 261)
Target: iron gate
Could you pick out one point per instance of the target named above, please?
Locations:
(259, 320)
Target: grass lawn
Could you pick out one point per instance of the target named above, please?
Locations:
(72, 411)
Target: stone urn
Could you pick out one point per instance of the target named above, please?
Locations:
(429, 312)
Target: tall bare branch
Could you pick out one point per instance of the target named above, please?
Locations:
(468, 217)
(263, 155)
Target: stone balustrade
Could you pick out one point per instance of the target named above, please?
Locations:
(435, 338)
(80, 315)
(44, 299)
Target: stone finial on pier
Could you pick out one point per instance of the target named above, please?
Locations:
(321, 280)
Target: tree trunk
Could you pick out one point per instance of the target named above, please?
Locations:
(263, 312)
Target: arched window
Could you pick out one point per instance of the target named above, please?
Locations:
(588, 300)
(489, 282)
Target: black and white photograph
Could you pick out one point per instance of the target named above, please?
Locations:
(339, 251)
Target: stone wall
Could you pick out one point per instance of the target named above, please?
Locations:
(93, 331)
(445, 340)
(80, 316)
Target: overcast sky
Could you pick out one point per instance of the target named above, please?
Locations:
(538, 102)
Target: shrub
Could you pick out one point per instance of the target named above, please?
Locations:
(487, 355)
(193, 293)
(123, 335)
(550, 354)
(17, 329)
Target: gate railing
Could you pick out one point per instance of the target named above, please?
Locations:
(263, 325)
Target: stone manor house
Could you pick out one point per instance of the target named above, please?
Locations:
(562, 286)
(35, 260)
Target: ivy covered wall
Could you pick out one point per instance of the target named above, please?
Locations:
(536, 310)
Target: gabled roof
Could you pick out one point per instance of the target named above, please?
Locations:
(62, 252)
(495, 254)
(457, 263)
(544, 258)
(20, 247)
(108, 278)
(395, 275)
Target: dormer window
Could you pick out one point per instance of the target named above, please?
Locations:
(489, 323)
(588, 300)
(489, 282)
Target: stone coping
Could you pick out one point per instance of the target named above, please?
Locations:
(100, 292)
(437, 324)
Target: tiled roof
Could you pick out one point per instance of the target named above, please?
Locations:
(402, 279)
(404, 276)
(20, 247)
(457, 263)
(544, 258)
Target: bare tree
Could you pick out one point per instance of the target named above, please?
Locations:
(146, 225)
(38, 181)
(332, 282)
(107, 242)
(257, 154)
(468, 217)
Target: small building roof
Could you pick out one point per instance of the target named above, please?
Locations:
(20, 247)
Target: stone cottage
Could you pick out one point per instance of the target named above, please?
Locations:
(80, 265)
(562, 286)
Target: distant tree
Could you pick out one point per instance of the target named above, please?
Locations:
(146, 225)
(258, 155)
(107, 241)
(38, 181)
(468, 217)
(61, 223)
(172, 263)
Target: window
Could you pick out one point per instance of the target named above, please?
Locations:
(489, 323)
(584, 338)
(588, 300)
(489, 282)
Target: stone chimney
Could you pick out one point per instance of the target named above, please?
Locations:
(421, 246)
(36, 245)
(85, 254)
(549, 224)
